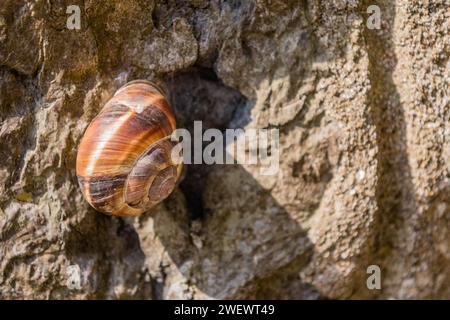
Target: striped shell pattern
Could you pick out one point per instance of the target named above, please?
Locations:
(124, 164)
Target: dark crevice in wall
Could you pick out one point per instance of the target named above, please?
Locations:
(197, 94)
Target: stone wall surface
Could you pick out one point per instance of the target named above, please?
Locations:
(364, 120)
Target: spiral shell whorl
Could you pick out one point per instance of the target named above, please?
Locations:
(123, 163)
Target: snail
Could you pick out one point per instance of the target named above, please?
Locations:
(124, 164)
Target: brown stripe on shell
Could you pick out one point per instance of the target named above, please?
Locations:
(138, 95)
(106, 200)
(100, 190)
(124, 145)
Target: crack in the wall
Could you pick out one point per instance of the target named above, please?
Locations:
(199, 95)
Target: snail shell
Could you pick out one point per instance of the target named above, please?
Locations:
(124, 164)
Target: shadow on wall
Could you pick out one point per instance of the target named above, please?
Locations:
(399, 210)
(245, 239)
(235, 240)
(395, 190)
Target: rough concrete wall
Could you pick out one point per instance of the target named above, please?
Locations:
(364, 123)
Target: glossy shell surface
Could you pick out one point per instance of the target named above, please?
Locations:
(124, 162)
